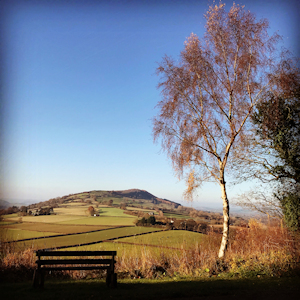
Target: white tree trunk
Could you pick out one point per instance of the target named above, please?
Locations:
(224, 241)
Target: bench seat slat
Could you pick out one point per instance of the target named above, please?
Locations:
(73, 261)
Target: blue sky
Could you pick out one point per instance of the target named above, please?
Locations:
(79, 92)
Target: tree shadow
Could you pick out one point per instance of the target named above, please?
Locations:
(275, 288)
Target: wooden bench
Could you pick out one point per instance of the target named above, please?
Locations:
(85, 260)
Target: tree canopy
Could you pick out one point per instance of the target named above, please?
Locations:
(209, 95)
(277, 122)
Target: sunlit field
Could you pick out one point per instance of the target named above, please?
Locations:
(55, 228)
(108, 221)
(19, 234)
(48, 219)
(81, 239)
(155, 243)
(173, 238)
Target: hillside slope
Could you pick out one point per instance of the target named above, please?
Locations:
(142, 194)
(133, 194)
(4, 204)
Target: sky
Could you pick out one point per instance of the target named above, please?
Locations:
(79, 90)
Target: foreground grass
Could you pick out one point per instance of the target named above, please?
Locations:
(183, 288)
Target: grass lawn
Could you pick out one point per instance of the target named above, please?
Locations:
(188, 288)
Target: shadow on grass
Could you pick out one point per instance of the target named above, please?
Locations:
(275, 288)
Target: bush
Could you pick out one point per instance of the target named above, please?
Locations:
(291, 211)
(91, 210)
(151, 220)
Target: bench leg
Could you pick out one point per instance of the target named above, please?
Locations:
(108, 278)
(38, 278)
(42, 279)
(35, 278)
(111, 279)
(114, 280)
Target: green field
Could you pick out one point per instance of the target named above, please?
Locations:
(76, 215)
(173, 238)
(48, 219)
(125, 250)
(112, 212)
(108, 221)
(176, 216)
(55, 228)
(19, 234)
(155, 242)
(70, 219)
(85, 238)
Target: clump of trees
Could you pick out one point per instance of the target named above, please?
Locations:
(91, 210)
(10, 210)
(26, 210)
(188, 224)
(146, 221)
(45, 211)
(276, 146)
(278, 127)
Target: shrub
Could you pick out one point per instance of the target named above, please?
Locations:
(151, 220)
(291, 210)
(91, 210)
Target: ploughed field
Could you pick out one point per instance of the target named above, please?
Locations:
(71, 228)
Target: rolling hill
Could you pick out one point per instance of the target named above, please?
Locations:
(132, 197)
(142, 194)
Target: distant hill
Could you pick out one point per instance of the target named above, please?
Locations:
(4, 204)
(133, 197)
(142, 194)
